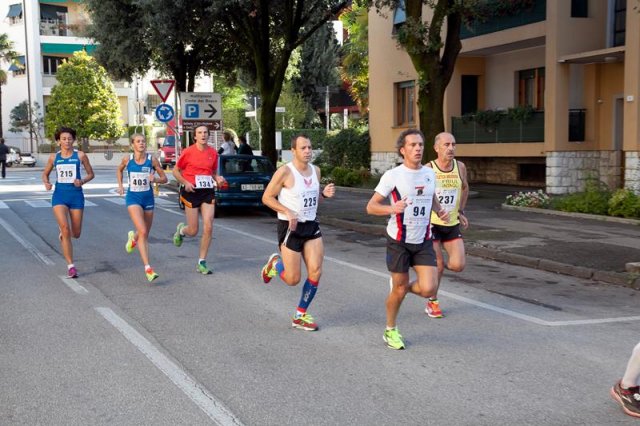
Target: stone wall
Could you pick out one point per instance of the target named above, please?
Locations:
(632, 171)
(568, 172)
(501, 170)
(383, 161)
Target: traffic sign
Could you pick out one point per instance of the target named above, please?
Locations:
(164, 113)
(201, 106)
(212, 125)
(163, 88)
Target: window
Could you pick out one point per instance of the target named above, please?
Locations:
(153, 101)
(399, 16)
(531, 88)
(405, 103)
(15, 13)
(18, 67)
(579, 8)
(50, 64)
(619, 24)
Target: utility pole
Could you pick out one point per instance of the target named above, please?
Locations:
(26, 69)
(326, 109)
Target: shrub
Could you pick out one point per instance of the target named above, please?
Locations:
(624, 203)
(538, 199)
(348, 148)
(317, 136)
(594, 200)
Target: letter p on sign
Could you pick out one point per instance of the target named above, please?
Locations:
(192, 111)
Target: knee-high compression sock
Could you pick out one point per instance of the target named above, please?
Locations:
(280, 267)
(632, 373)
(308, 292)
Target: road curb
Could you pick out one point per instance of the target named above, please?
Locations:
(572, 214)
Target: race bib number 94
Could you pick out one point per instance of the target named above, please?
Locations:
(66, 173)
(418, 212)
(204, 181)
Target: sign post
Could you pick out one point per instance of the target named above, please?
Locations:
(164, 111)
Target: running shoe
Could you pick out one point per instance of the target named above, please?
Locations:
(393, 339)
(304, 322)
(177, 237)
(629, 399)
(202, 268)
(269, 269)
(72, 272)
(433, 309)
(151, 275)
(131, 242)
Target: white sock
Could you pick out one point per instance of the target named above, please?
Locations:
(202, 260)
(71, 265)
(147, 267)
(632, 373)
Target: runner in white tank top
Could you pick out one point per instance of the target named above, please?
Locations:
(294, 192)
(411, 189)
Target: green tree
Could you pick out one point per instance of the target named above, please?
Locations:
(8, 55)
(84, 98)
(318, 66)
(267, 32)
(354, 67)
(31, 121)
(177, 38)
(297, 112)
(432, 57)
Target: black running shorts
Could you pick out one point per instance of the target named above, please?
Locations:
(401, 256)
(445, 233)
(294, 240)
(198, 197)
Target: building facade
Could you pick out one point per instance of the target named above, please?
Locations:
(556, 88)
(45, 34)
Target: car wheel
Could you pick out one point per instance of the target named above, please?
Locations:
(9, 164)
(32, 165)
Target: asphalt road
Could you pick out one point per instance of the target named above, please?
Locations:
(517, 346)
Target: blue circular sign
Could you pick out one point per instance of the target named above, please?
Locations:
(164, 113)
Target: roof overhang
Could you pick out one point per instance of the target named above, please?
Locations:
(602, 56)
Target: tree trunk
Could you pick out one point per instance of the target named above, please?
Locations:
(268, 125)
(431, 112)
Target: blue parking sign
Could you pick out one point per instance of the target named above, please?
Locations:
(192, 111)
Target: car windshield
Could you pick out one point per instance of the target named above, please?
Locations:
(169, 141)
(239, 165)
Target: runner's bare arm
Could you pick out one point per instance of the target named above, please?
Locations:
(436, 207)
(119, 173)
(47, 171)
(84, 159)
(329, 189)
(463, 197)
(378, 207)
(271, 192)
(162, 177)
(181, 180)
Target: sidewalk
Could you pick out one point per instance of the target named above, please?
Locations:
(570, 244)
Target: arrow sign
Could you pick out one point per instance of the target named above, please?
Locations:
(211, 111)
(163, 88)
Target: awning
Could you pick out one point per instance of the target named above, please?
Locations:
(17, 64)
(66, 49)
(49, 11)
(15, 10)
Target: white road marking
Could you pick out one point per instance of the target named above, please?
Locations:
(38, 203)
(89, 204)
(194, 390)
(73, 285)
(26, 244)
(165, 202)
(119, 201)
(3, 205)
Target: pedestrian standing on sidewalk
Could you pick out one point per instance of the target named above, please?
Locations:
(228, 147)
(452, 190)
(294, 192)
(141, 167)
(196, 172)
(410, 188)
(4, 150)
(68, 198)
(627, 390)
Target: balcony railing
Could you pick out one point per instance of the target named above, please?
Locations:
(466, 130)
(507, 130)
(537, 13)
(51, 27)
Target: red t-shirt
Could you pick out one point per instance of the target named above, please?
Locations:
(194, 162)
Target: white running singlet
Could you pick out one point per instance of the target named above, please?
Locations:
(413, 225)
(303, 197)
